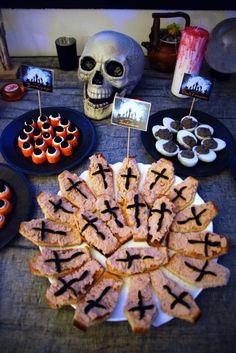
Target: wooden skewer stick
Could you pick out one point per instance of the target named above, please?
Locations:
(191, 108)
(40, 107)
(128, 144)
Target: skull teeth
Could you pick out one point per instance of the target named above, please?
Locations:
(96, 106)
(104, 100)
(98, 95)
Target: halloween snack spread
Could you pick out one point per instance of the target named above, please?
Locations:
(54, 135)
(123, 247)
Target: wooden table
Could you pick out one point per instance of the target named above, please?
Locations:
(28, 325)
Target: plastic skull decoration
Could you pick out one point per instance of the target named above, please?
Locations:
(111, 63)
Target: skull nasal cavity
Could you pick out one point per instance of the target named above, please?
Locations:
(97, 79)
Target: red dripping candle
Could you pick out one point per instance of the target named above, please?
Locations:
(191, 51)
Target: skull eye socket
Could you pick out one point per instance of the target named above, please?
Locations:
(114, 69)
(87, 63)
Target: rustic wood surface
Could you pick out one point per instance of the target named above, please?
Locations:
(28, 325)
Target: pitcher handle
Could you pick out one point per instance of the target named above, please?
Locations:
(184, 15)
(154, 36)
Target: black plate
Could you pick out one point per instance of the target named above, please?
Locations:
(14, 157)
(201, 169)
(21, 200)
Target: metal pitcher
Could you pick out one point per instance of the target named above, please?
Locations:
(162, 49)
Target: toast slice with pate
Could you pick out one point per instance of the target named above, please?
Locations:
(43, 232)
(197, 272)
(174, 300)
(57, 208)
(111, 213)
(158, 180)
(159, 223)
(202, 245)
(183, 194)
(194, 218)
(72, 287)
(132, 260)
(76, 190)
(128, 178)
(99, 303)
(140, 309)
(57, 263)
(101, 176)
(136, 215)
(96, 233)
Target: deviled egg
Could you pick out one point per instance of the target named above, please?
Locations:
(186, 139)
(171, 124)
(214, 144)
(204, 131)
(167, 148)
(161, 132)
(204, 154)
(188, 158)
(189, 123)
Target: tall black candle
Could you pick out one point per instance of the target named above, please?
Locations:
(66, 51)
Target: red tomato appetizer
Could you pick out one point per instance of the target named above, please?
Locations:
(27, 149)
(60, 131)
(23, 137)
(57, 140)
(72, 129)
(5, 207)
(5, 191)
(30, 122)
(29, 130)
(66, 148)
(2, 221)
(37, 134)
(46, 127)
(54, 118)
(53, 154)
(39, 156)
(64, 123)
(41, 120)
(47, 138)
(72, 139)
(40, 143)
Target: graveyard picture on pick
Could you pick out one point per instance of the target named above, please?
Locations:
(196, 86)
(130, 113)
(37, 78)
